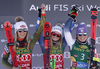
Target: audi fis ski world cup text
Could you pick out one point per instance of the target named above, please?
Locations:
(64, 7)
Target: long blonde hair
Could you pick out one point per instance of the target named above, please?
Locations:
(18, 19)
(59, 43)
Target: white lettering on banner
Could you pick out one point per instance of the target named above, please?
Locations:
(81, 8)
(12, 26)
(64, 7)
(35, 8)
(88, 25)
(48, 7)
(91, 6)
(2, 26)
(3, 40)
(61, 7)
(32, 25)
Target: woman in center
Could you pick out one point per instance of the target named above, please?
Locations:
(57, 45)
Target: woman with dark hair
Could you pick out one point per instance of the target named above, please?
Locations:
(79, 48)
(23, 44)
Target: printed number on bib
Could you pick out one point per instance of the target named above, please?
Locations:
(82, 56)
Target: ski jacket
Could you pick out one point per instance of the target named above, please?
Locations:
(80, 53)
(26, 58)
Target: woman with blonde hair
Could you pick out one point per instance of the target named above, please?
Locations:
(57, 45)
(23, 46)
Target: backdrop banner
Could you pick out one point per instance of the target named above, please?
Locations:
(56, 11)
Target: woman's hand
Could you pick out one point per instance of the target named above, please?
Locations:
(43, 8)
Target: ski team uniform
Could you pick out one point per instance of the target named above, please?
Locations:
(58, 54)
(79, 53)
(55, 53)
(25, 60)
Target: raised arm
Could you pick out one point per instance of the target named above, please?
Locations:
(64, 41)
(67, 33)
(40, 28)
(69, 24)
(41, 38)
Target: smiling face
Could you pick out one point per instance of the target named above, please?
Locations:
(56, 36)
(22, 33)
(82, 37)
